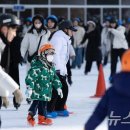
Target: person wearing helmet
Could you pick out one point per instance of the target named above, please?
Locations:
(42, 78)
(115, 103)
(33, 39)
(78, 36)
(61, 42)
(10, 53)
(52, 23)
(26, 26)
(118, 44)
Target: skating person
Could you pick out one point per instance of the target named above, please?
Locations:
(11, 56)
(7, 84)
(38, 34)
(78, 37)
(105, 41)
(52, 22)
(115, 103)
(93, 51)
(41, 78)
(26, 26)
(61, 42)
(118, 44)
(33, 39)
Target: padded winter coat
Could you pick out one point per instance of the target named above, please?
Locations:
(93, 51)
(31, 40)
(115, 104)
(119, 40)
(42, 79)
(61, 43)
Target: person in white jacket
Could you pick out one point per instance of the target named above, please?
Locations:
(33, 40)
(35, 37)
(26, 26)
(105, 41)
(78, 37)
(61, 41)
(118, 45)
(7, 84)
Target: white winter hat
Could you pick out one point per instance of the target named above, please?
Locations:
(91, 22)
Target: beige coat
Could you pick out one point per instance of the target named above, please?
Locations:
(78, 36)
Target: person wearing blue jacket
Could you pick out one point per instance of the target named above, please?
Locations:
(115, 104)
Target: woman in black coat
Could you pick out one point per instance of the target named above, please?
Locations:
(93, 51)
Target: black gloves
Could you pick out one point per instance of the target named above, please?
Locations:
(58, 72)
(69, 80)
(22, 60)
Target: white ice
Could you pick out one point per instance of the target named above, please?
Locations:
(79, 102)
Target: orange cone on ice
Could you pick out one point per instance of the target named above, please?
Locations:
(65, 107)
(101, 86)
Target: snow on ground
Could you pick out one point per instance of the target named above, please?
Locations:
(79, 102)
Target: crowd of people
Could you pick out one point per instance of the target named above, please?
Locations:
(50, 48)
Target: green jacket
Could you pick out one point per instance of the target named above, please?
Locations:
(42, 80)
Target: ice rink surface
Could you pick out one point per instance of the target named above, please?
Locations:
(79, 102)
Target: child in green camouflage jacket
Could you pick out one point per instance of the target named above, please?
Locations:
(42, 78)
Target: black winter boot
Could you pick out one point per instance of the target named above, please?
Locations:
(16, 105)
(69, 80)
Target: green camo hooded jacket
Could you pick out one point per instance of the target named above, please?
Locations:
(42, 79)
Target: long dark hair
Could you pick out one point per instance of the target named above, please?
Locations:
(33, 27)
(39, 17)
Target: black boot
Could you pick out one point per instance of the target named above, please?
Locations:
(69, 80)
(28, 100)
(16, 105)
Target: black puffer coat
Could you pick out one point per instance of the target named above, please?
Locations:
(11, 57)
(93, 51)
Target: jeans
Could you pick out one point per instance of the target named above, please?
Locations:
(78, 58)
(40, 106)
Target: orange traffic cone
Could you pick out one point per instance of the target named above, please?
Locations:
(101, 87)
(65, 107)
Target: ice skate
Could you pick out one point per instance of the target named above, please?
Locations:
(42, 120)
(31, 120)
